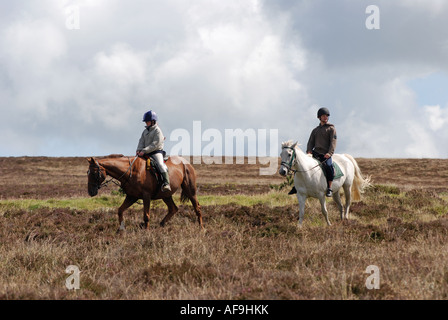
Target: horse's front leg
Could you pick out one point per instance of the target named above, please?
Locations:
(128, 201)
(146, 209)
(302, 200)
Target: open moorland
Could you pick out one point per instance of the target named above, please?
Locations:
(251, 248)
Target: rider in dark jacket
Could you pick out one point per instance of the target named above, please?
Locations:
(322, 144)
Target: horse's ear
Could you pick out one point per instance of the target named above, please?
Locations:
(91, 160)
(295, 144)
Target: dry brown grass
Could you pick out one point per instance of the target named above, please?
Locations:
(247, 251)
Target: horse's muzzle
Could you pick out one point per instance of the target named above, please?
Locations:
(283, 171)
(93, 191)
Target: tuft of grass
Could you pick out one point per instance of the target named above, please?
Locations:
(288, 183)
(387, 189)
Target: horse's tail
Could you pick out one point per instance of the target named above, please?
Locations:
(359, 182)
(189, 183)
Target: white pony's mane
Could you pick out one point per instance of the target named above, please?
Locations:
(290, 144)
(295, 145)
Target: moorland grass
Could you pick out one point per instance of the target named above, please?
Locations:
(251, 248)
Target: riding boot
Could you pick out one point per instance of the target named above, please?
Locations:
(166, 182)
(330, 176)
(293, 190)
(329, 191)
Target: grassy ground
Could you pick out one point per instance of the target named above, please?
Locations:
(251, 249)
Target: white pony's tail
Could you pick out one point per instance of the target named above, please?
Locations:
(359, 182)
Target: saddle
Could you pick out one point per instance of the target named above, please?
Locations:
(337, 170)
(153, 166)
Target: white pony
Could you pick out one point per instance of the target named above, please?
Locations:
(310, 180)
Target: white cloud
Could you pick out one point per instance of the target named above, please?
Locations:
(122, 66)
(437, 117)
(232, 64)
(434, 7)
(422, 144)
(238, 65)
(33, 44)
(30, 49)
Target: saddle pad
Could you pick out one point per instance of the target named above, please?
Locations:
(337, 170)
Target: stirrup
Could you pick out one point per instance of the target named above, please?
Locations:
(166, 187)
(329, 192)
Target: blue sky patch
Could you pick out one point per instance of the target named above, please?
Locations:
(432, 89)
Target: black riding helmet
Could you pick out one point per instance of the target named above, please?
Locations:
(323, 111)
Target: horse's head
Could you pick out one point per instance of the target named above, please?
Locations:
(95, 177)
(288, 156)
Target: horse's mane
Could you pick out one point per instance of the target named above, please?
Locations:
(289, 144)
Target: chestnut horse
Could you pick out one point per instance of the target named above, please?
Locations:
(139, 183)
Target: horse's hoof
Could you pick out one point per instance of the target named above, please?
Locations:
(144, 225)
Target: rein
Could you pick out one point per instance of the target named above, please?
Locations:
(105, 184)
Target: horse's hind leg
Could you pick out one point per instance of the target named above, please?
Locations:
(337, 199)
(189, 192)
(324, 209)
(197, 209)
(348, 199)
(172, 209)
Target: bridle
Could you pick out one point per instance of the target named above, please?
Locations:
(99, 175)
(289, 164)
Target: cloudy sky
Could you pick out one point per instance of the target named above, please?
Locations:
(77, 76)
